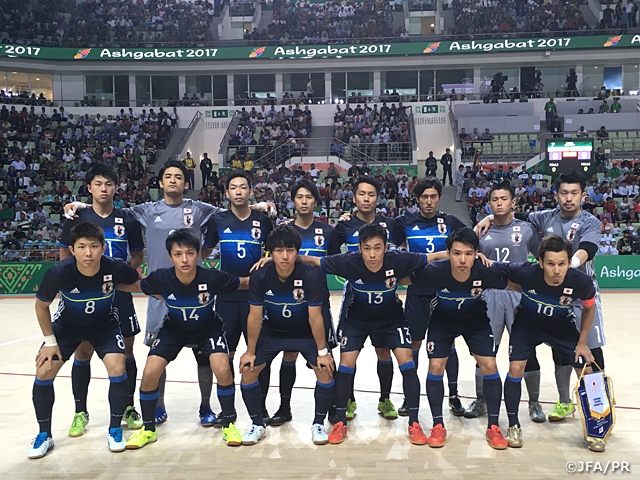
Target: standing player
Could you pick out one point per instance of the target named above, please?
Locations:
(123, 235)
(583, 230)
(241, 233)
(459, 309)
(508, 240)
(289, 297)
(86, 284)
(189, 292)
(546, 315)
(426, 231)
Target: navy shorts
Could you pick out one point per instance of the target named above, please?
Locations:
(269, 346)
(234, 316)
(526, 335)
(354, 332)
(417, 308)
(209, 339)
(105, 338)
(123, 302)
(477, 334)
(330, 331)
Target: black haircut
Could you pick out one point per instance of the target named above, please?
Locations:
(465, 236)
(89, 230)
(425, 183)
(503, 186)
(102, 169)
(237, 174)
(183, 237)
(174, 164)
(555, 243)
(283, 236)
(571, 177)
(309, 185)
(371, 181)
(370, 231)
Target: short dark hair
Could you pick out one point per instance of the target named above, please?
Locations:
(425, 183)
(183, 237)
(370, 231)
(555, 243)
(309, 185)
(174, 164)
(237, 174)
(571, 177)
(463, 235)
(503, 186)
(102, 169)
(371, 181)
(88, 230)
(283, 236)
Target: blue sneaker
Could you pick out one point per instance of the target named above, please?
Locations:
(41, 445)
(161, 416)
(115, 440)
(207, 417)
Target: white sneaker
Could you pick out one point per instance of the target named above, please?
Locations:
(254, 435)
(41, 445)
(319, 435)
(116, 442)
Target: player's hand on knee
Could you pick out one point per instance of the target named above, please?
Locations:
(247, 360)
(585, 352)
(261, 263)
(485, 261)
(46, 354)
(326, 361)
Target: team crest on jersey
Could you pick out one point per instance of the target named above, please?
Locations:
(343, 340)
(516, 238)
(476, 292)
(571, 234)
(107, 288)
(565, 300)
(298, 294)
(318, 240)
(118, 230)
(255, 233)
(390, 282)
(431, 347)
(188, 220)
(442, 228)
(203, 298)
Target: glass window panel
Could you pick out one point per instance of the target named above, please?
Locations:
(404, 82)
(42, 83)
(241, 88)
(459, 80)
(198, 84)
(592, 78)
(164, 88)
(630, 79)
(554, 79)
(121, 93)
(143, 89)
(338, 87)
(100, 87)
(360, 84)
(613, 78)
(262, 85)
(17, 82)
(220, 90)
(427, 90)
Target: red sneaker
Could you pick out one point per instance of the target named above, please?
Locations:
(495, 438)
(437, 437)
(417, 435)
(338, 433)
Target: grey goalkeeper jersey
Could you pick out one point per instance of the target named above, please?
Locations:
(584, 227)
(510, 243)
(159, 219)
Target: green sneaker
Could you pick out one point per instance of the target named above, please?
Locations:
(561, 411)
(232, 435)
(78, 426)
(132, 418)
(140, 438)
(351, 409)
(387, 409)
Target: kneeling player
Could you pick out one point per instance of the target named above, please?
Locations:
(290, 295)
(86, 285)
(546, 316)
(189, 292)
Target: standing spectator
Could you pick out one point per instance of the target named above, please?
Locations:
(550, 112)
(446, 161)
(206, 165)
(190, 163)
(310, 88)
(432, 165)
(556, 127)
(601, 160)
(624, 244)
(459, 183)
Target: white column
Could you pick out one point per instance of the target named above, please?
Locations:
(182, 85)
(477, 79)
(279, 87)
(230, 94)
(132, 91)
(377, 83)
(327, 87)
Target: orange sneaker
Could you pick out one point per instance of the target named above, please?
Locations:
(495, 438)
(417, 435)
(338, 433)
(437, 437)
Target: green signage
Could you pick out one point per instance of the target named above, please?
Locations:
(430, 109)
(618, 271)
(216, 114)
(323, 51)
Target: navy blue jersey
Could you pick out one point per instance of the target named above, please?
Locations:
(319, 240)
(459, 300)
(286, 304)
(240, 243)
(84, 301)
(190, 306)
(348, 230)
(372, 296)
(424, 235)
(121, 230)
(543, 301)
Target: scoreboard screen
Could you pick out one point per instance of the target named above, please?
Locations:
(565, 154)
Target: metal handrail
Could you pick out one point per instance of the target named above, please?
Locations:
(185, 137)
(235, 121)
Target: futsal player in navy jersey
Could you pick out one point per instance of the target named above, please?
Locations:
(123, 237)
(86, 283)
(189, 291)
(286, 298)
(546, 315)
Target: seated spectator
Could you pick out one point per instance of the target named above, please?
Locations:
(604, 108)
(615, 106)
(582, 132)
(602, 134)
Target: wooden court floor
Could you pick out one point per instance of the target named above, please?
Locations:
(375, 448)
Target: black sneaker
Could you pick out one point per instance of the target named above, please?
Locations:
(403, 411)
(221, 421)
(476, 408)
(456, 406)
(265, 418)
(282, 416)
(332, 415)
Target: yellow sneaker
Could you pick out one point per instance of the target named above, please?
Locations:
(232, 435)
(140, 438)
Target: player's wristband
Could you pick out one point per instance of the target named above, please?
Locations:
(50, 341)
(323, 352)
(575, 262)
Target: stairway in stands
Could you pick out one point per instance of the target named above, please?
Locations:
(449, 205)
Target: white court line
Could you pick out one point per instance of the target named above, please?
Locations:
(20, 340)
